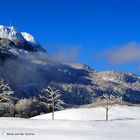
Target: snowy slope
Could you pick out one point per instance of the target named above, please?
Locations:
(124, 125)
(94, 114)
(16, 43)
(11, 33)
(29, 38)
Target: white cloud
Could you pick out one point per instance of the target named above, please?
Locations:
(65, 53)
(124, 54)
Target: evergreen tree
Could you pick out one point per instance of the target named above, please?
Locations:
(5, 92)
(6, 100)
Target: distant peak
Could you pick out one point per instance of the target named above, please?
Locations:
(11, 33)
(23, 40)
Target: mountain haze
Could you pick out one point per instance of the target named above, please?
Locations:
(28, 68)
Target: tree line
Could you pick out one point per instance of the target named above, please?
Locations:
(50, 100)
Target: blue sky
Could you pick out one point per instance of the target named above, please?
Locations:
(104, 34)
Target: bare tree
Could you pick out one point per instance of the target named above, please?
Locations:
(108, 101)
(52, 99)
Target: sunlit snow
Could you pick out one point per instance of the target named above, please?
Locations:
(75, 124)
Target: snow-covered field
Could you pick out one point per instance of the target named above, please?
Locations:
(75, 124)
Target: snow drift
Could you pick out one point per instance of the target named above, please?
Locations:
(80, 124)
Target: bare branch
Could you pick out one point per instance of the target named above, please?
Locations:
(52, 99)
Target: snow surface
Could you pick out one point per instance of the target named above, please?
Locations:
(11, 33)
(75, 124)
(29, 37)
(94, 113)
(109, 78)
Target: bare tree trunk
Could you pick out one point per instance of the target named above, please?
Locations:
(12, 110)
(107, 114)
(52, 113)
(107, 108)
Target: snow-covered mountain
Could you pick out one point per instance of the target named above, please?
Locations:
(15, 42)
(11, 33)
(28, 69)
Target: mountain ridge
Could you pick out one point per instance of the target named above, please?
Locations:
(32, 70)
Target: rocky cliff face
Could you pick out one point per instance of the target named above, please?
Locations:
(28, 69)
